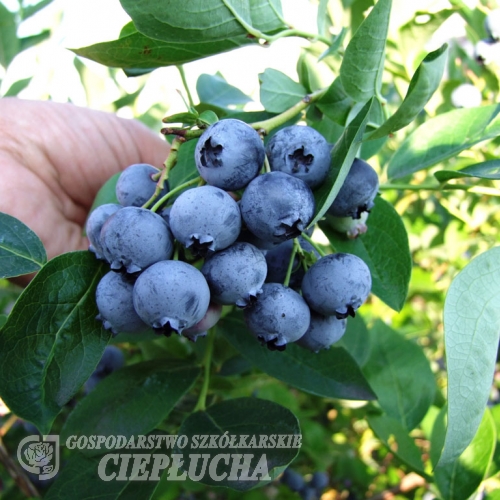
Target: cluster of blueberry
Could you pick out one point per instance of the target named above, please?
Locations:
(308, 490)
(174, 270)
(488, 50)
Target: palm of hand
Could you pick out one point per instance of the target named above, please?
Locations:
(55, 157)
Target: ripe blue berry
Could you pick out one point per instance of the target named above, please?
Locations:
(337, 284)
(171, 296)
(323, 331)
(229, 154)
(319, 481)
(357, 193)
(135, 238)
(300, 151)
(205, 219)
(112, 359)
(115, 304)
(135, 185)
(278, 316)
(94, 224)
(278, 259)
(277, 207)
(293, 479)
(235, 275)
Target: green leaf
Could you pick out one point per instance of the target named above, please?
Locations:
(79, 477)
(185, 169)
(191, 21)
(356, 340)
(495, 462)
(17, 87)
(3, 319)
(396, 438)
(471, 334)
(52, 342)
(9, 43)
(188, 118)
(336, 44)
(343, 155)
(444, 136)
(131, 401)
(484, 170)
(107, 193)
(336, 104)
(322, 17)
(140, 54)
(400, 375)
(424, 83)
(208, 117)
(299, 367)
(385, 239)
(460, 478)
(278, 91)
(249, 417)
(30, 41)
(31, 10)
(213, 89)
(364, 56)
(21, 251)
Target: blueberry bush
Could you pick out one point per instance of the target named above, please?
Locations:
(328, 265)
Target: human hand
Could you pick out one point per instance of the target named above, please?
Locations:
(54, 158)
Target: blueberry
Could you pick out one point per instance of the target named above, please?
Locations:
(229, 154)
(319, 481)
(171, 296)
(115, 304)
(278, 316)
(201, 328)
(135, 186)
(466, 96)
(357, 193)
(300, 151)
(111, 360)
(337, 284)
(323, 331)
(205, 219)
(94, 224)
(492, 24)
(278, 259)
(309, 493)
(293, 479)
(277, 207)
(135, 238)
(235, 275)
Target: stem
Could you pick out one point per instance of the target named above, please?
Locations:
(267, 166)
(314, 244)
(185, 185)
(207, 361)
(180, 67)
(440, 187)
(269, 39)
(169, 165)
(265, 126)
(289, 270)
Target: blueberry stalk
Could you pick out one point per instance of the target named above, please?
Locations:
(289, 270)
(186, 87)
(313, 244)
(170, 163)
(207, 362)
(181, 187)
(263, 127)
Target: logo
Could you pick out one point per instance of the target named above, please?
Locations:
(39, 456)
